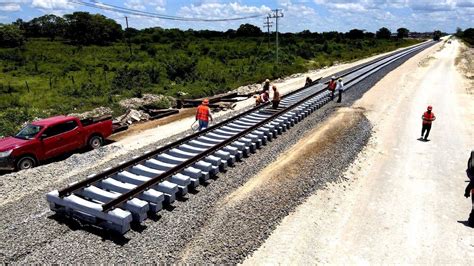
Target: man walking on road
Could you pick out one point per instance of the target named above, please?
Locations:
(428, 117)
(203, 114)
(470, 192)
(339, 89)
(332, 86)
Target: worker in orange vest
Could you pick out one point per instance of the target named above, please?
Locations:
(332, 86)
(203, 114)
(428, 117)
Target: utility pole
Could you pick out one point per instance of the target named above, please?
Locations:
(268, 25)
(129, 42)
(277, 13)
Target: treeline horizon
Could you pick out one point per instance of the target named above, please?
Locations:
(83, 28)
(57, 65)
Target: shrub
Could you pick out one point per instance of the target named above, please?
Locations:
(11, 36)
(131, 80)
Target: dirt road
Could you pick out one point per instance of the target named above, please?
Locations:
(403, 199)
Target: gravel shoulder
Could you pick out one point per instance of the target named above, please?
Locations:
(17, 186)
(193, 229)
(401, 200)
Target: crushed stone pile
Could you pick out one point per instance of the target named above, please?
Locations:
(147, 99)
(100, 111)
(132, 116)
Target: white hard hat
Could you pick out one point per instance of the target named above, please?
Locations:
(333, 77)
(267, 80)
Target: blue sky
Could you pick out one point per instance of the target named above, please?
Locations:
(314, 15)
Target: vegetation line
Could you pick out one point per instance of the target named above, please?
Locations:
(57, 65)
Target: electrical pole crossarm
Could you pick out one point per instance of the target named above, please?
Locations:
(277, 13)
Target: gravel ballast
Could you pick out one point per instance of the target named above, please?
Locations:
(194, 229)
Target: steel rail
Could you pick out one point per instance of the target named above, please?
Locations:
(139, 159)
(158, 178)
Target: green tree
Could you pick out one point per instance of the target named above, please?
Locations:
(383, 33)
(50, 26)
(249, 30)
(459, 32)
(355, 34)
(369, 35)
(130, 79)
(84, 28)
(402, 33)
(468, 36)
(11, 36)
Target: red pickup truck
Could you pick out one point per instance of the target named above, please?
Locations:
(51, 137)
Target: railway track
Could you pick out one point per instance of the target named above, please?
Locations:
(132, 190)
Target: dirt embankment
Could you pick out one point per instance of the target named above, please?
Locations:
(140, 127)
(465, 62)
(288, 167)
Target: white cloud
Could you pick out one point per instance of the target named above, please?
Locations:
(416, 5)
(51, 4)
(216, 10)
(465, 3)
(432, 6)
(158, 5)
(297, 9)
(293, 14)
(135, 4)
(10, 7)
(362, 5)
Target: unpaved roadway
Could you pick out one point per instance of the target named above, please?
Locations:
(402, 200)
(222, 222)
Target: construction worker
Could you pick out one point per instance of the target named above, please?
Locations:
(266, 86)
(203, 114)
(332, 86)
(339, 89)
(276, 97)
(308, 82)
(262, 98)
(470, 192)
(428, 117)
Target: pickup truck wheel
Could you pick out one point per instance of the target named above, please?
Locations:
(26, 162)
(95, 142)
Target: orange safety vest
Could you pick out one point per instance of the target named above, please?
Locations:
(202, 113)
(428, 118)
(332, 85)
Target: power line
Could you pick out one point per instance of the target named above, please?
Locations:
(128, 41)
(268, 25)
(277, 13)
(130, 11)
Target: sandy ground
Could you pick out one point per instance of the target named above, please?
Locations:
(402, 201)
(153, 131)
(290, 162)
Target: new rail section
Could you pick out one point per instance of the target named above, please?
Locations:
(131, 190)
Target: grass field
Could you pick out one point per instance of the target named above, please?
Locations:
(45, 78)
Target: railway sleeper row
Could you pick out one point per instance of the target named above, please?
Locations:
(86, 203)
